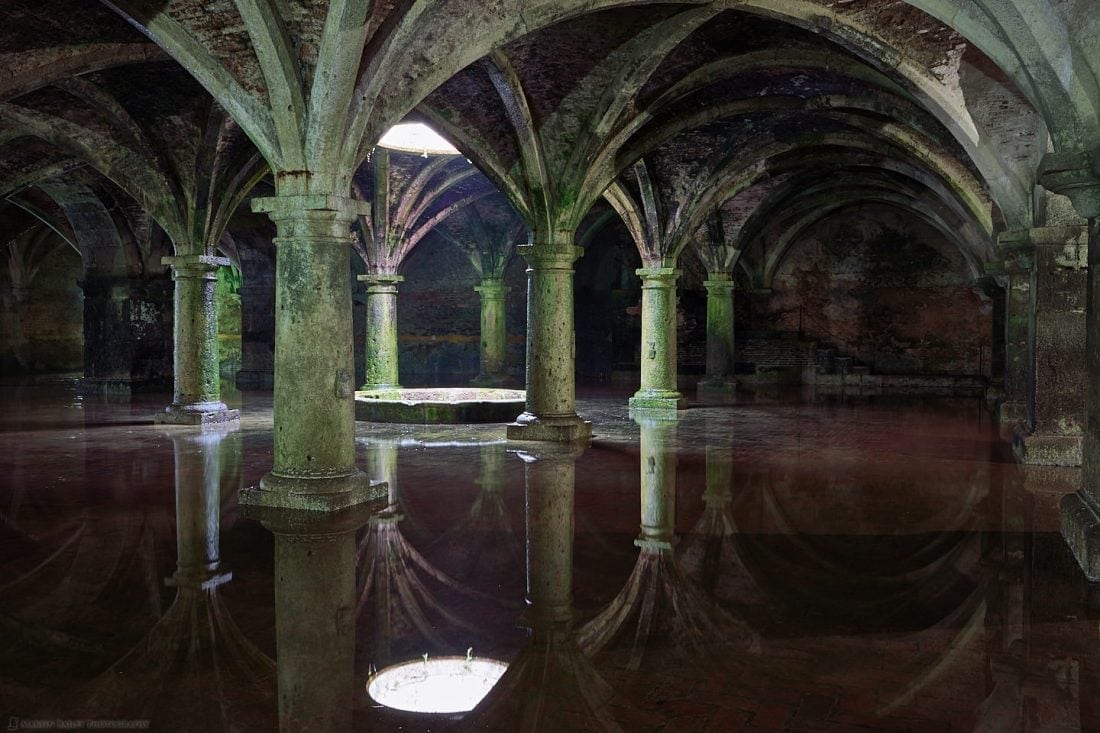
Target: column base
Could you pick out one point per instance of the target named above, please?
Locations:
(560, 429)
(657, 399)
(1081, 530)
(721, 385)
(201, 413)
(1044, 449)
(313, 494)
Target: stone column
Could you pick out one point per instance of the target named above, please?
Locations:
(314, 392)
(196, 394)
(381, 331)
(721, 358)
(551, 413)
(493, 333)
(1073, 173)
(658, 379)
(1016, 408)
(1053, 434)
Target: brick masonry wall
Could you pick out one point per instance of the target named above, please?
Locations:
(52, 318)
(886, 289)
(439, 317)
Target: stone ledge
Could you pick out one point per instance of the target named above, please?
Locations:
(1040, 449)
(184, 415)
(552, 430)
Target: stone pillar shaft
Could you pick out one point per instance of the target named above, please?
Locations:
(314, 392)
(1018, 365)
(1061, 268)
(551, 381)
(493, 333)
(721, 357)
(658, 378)
(196, 393)
(1090, 467)
(381, 351)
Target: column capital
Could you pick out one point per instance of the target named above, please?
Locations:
(199, 266)
(1076, 175)
(657, 277)
(310, 205)
(550, 256)
(382, 283)
(492, 289)
(719, 282)
(316, 217)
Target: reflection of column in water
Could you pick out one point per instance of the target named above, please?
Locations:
(550, 686)
(315, 614)
(401, 594)
(659, 605)
(482, 550)
(709, 554)
(196, 651)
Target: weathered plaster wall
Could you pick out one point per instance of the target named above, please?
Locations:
(439, 317)
(885, 288)
(45, 334)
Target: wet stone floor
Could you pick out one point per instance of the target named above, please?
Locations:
(769, 563)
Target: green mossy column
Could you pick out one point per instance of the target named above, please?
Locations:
(314, 392)
(551, 413)
(493, 334)
(658, 379)
(381, 351)
(196, 394)
(720, 335)
(657, 453)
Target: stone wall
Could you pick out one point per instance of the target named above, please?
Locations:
(886, 289)
(42, 328)
(439, 317)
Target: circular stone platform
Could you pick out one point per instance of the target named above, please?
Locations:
(439, 405)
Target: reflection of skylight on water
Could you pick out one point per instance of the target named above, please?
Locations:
(440, 685)
(414, 137)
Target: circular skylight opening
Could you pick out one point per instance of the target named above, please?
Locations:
(440, 685)
(416, 137)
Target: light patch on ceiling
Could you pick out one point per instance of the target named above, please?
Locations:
(416, 137)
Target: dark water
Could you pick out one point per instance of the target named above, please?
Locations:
(783, 564)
